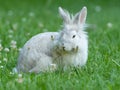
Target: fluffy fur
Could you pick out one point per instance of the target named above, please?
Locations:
(51, 50)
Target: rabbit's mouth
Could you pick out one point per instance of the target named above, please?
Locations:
(67, 50)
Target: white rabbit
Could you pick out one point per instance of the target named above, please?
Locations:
(69, 47)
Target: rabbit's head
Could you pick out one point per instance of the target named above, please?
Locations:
(73, 30)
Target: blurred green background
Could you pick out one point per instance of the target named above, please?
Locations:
(22, 19)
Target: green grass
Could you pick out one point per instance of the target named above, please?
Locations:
(20, 20)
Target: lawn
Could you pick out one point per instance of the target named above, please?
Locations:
(20, 20)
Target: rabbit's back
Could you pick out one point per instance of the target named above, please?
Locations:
(40, 42)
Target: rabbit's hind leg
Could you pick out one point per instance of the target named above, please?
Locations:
(42, 65)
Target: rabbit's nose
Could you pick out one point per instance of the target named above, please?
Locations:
(76, 49)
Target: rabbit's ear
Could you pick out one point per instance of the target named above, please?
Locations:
(81, 16)
(65, 15)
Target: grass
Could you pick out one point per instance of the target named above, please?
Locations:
(19, 21)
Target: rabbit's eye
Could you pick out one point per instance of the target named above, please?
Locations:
(73, 36)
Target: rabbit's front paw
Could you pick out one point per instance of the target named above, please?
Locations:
(53, 67)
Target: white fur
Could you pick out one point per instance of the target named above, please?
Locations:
(51, 50)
